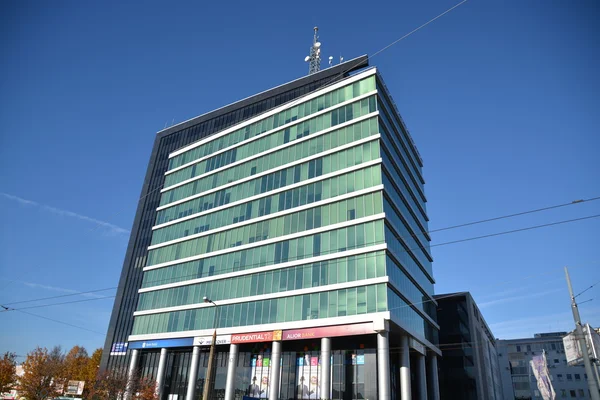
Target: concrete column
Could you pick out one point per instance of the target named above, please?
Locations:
(421, 376)
(230, 382)
(275, 369)
(405, 392)
(135, 355)
(160, 375)
(383, 366)
(432, 377)
(193, 376)
(325, 378)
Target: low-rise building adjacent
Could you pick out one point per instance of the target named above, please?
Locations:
(469, 364)
(518, 381)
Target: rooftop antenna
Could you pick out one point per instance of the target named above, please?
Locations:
(314, 58)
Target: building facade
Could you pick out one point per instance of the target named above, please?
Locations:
(569, 382)
(292, 222)
(469, 368)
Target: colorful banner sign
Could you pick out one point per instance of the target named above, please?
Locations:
(253, 337)
(161, 343)
(207, 340)
(328, 331)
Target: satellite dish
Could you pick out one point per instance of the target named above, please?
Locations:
(317, 45)
(306, 58)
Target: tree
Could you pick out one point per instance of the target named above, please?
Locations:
(75, 364)
(8, 372)
(42, 374)
(90, 372)
(113, 385)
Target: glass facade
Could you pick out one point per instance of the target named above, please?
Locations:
(197, 234)
(309, 212)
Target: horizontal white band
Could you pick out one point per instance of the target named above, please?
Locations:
(272, 192)
(270, 216)
(276, 110)
(289, 264)
(282, 127)
(276, 295)
(280, 167)
(269, 241)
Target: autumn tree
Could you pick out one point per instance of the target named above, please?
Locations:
(90, 372)
(8, 372)
(42, 374)
(113, 385)
(75, 364)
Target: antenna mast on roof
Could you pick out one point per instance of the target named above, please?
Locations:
(314, 59)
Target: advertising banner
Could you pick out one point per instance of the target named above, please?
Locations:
(540, 371)
(328, 331)
(255, 337)
(259, 383)
(573, 350)
(207, 340)
(160, 343)
(75, 387)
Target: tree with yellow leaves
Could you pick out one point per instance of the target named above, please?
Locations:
(43, 374)
(8, 372)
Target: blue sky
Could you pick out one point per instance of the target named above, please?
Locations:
(501, 98)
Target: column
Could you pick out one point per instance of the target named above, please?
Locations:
(405, 393)
(325, 378)
(421, 376)
(191, 389)
(275, 369)
(383, 366)
(131, 372)
(160, 375)
(230, 382)
(432, 378)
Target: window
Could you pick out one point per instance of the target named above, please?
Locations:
(556, 361)
(580, 393)
(528, 347)
(569, 377)
(572, 392)
(577, 377)
(559, 377)
(563, 393)
(519, 348)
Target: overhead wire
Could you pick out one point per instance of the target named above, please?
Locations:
(335, 79)
(259, 264)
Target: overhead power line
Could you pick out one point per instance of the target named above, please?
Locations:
(57, 304)
(580, 201)
(59, 296)
(334, 79)
(407, 305)
(61, 322)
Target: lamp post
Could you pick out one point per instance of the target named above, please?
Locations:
(211, 356)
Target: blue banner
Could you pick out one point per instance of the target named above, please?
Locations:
(160, 343)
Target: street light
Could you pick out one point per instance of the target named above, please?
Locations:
(209, 372)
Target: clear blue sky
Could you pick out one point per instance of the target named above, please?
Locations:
(500, 96)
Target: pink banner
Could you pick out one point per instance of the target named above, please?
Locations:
(328, 331)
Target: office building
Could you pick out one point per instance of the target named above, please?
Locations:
(518, 382)
(469, 367)
(299, 214)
